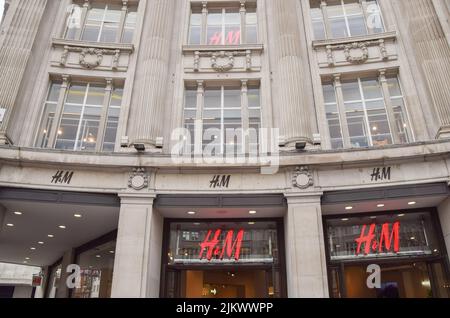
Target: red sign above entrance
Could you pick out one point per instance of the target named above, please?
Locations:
(388, 241)
(214, 248)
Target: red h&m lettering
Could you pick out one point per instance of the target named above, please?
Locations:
(234, 37)
(216, 39)
(386, 240)
(212, 249)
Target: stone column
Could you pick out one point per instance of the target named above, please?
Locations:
(292, 94)
(15, 50)
(444, 217)
(152, 78)
(137, 265)
(432, 52)
(305, 250)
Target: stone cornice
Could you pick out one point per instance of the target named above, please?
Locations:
(414, 152)
(364, 38)
(96, 45)
(243, 47)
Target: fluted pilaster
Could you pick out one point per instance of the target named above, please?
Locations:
(290, 66)
(149, 94)
(15, 51)
(432, 52)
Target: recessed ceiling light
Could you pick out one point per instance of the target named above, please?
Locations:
(412, 203)
(251, 212)
(435, 250)
(349, 208)
(32, 248)
(25, 262)
(41, 243)
(412, 238)
(18, 213)
(401, 215)
(192, 213)
(98, 256)
(27, 258)
(78, 216)
(345, 220)
(10, 224)
(373, 217)
(251, 223)
(62, 227)
(51, 235)
(112, 252)
(196, 223)
(381, 205)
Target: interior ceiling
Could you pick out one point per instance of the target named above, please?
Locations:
(38, 220)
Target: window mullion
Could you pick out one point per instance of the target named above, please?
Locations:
(224, 12)
(245, 117)
(369, 130)
(58, 111)
(342, 111)
(104, 115)
(84, 13)
(204, 35)
(102, 23)
(326, 21)
(347, 25)
(222, 120)
(363, 4)
(123, 17)
(81, 117)
(243, 13)
(198, 124)
(389, 107)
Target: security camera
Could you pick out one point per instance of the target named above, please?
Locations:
(139, 147)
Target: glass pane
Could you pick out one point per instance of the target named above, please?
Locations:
(111, 129)
(196, 19)
(401, 121)
(357, 129)
(91, 33)
(232, 98)
(109, 32)
(329, 93)
(190, 99)
(233, 34)
(252, 34)
(379, 127)
(353, 8)
(71, 33)
(76, 94)
(89, 129)
(96, 95)
(113, 15)
(131, 19)
(394, 86)
(67, 132)
(357, 26)
(46, 125)
(442, 283)
(53, 95)
(95, 14)
(213, 98)
(97, 265)
(215, 36)
(319, 30)
(195, 35)
(232, 17)
(116, 97)
(127, 36)
(374, 19)
(254, 98)
(351, 91)
(215, 17)
(371, 89)
(338, 28)
(335, 10)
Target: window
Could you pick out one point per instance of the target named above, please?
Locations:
(345, 18)
(369, 115)
(223, 26)
(88, 120)
(102, 23)
(223, 124)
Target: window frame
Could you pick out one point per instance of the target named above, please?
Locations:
(105, 107)
(328, 30)
(203, 12)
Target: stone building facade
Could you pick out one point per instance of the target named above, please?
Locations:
(354, 94)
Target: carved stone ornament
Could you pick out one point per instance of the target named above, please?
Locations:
(363, 57)
(302, 178)
(222, 62)
(96, 58)
(138, 179)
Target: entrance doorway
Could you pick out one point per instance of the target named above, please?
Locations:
(224, 284)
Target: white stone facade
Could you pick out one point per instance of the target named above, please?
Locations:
(290, 67)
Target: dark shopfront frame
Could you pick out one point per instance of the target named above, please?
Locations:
(166, 246)
(428, 260)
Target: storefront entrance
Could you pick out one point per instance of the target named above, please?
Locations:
(225, 283)
(391, 255)
(223, 259)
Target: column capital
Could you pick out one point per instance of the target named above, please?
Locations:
(137, 198)
(303, 198)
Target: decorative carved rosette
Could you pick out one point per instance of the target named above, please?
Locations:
(302, 178)
(222, 67)
(92, 52)
(139, 179)
(355, 46)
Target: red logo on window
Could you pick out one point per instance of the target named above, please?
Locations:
(233, 37)
(389, 240)
(213, 247)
